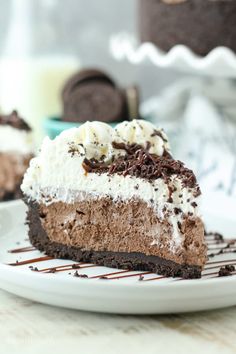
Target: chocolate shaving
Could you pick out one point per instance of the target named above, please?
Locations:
(138, 162)
(170, 190)
(15, 121)
(129, 148)
(93, 165)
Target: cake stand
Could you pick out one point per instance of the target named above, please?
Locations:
(219, 63)
(198, 112)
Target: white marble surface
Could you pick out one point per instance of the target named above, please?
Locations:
(28, 327)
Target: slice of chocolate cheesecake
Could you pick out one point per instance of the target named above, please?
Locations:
(116, 197)
(15, 154)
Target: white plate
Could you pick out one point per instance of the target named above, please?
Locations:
(127, 295)
(220, 62)
(11, 203)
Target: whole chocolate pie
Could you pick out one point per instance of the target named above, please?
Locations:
(202, 25)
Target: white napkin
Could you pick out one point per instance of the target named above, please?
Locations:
(200, 117)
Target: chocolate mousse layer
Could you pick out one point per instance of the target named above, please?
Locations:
(126, 235)
(202, 25)
(13, 167)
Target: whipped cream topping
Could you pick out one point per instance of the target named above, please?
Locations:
(140, 132)
(15, 140)
(92, 139)
(59, 163)
(57, 173)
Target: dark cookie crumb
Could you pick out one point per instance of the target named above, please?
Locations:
(177, 211)
(74, 149)
(78, 275)
(34, 269)
(226, 270)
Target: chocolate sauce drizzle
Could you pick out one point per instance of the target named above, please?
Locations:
(33, 260)
(23, 249)
(140, 163)
(219, 268)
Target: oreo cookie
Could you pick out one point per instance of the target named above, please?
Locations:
(91, 94)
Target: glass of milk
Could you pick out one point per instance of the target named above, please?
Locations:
(32, 68)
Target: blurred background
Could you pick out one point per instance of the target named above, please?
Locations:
(43, 41)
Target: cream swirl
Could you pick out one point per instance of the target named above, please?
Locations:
(95, 139)
(142, 132)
